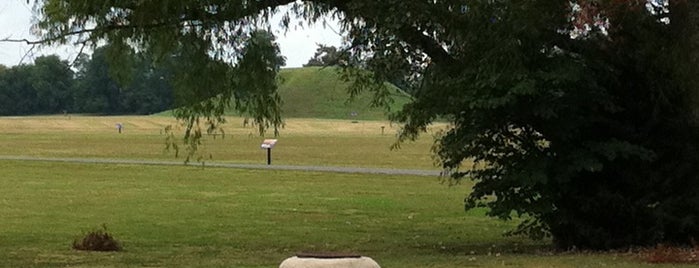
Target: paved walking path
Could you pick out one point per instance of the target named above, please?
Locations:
(389, 171)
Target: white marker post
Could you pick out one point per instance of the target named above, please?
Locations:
(268, 144)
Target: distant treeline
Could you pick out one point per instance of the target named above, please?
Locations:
(51, 86)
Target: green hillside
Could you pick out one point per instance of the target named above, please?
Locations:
(314, 92)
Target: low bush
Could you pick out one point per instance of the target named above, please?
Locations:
(97, 240)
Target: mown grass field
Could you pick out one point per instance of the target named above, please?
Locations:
(193, 217)
(183, 216)
(302, 141)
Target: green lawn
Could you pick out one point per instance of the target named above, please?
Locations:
(194, 217)
(178, 216)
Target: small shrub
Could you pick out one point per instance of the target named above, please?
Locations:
(669, 254)
(97, 240)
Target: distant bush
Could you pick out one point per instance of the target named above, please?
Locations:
(97, 240)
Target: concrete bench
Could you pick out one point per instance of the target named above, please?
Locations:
(328, 260)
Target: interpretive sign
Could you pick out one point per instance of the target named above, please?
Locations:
(268, 144)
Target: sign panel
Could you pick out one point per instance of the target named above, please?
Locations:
(268, 143)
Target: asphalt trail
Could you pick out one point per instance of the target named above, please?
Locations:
(388, 171)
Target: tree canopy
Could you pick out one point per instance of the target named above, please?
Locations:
(100, 89)
(51, 86)
(580, 115)
(42, 88)
(325, 56)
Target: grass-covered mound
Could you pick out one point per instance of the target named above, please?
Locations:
(314, 92)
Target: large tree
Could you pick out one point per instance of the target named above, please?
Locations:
(96, 91)
(137, 86)
(40, 88)
(17, 96)
(580, 115)
(52, 80)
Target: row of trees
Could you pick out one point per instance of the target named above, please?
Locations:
(51, 86)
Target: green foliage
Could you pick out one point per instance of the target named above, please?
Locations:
(325, 56)
(16, 93)
(52, 79)
(44, 87)
(586, 137)
(49, 86)
(139, 87)
(256, 75)
(97, 91)
(580, 115)
(206, 87)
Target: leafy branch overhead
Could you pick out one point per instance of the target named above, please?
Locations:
(581, 116)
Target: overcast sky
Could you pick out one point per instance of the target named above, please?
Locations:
(15, 19)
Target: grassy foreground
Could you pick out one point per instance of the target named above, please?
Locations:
(193, 217)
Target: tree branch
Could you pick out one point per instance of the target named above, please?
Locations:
(409, 34)
(218, 17)
(431, 47)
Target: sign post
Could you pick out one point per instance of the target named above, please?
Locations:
(268, 144)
